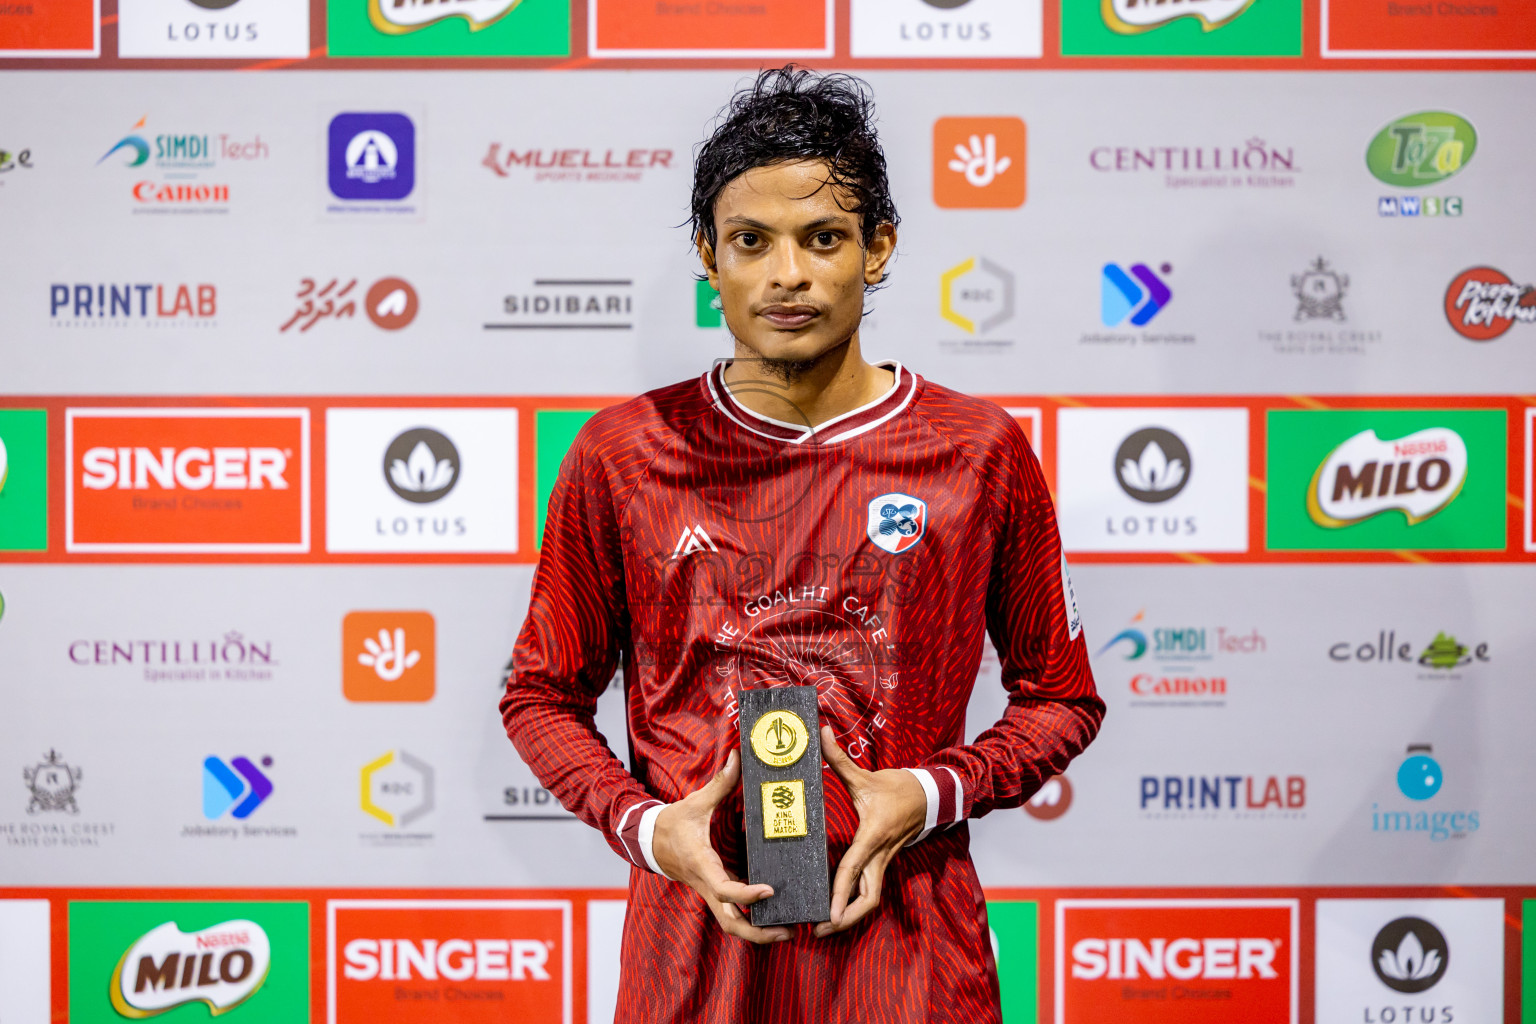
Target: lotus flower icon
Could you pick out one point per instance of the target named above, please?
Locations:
(1409, 961)
(423, 471)
(1410, 955)
(1152, 464)
(421, 465)
(1154, 471)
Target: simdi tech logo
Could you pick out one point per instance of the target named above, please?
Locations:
(1180, 28)
(1386, 479)
(23, 480)
(459, 961)
(466, 28)
(181, 161)
(186, 480)
(243, 961)
(388, 656)
(1176, 961)
(979, 163)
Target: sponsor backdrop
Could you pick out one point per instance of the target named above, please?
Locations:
(291, 361)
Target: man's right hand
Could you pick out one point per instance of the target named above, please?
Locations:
(680, 844)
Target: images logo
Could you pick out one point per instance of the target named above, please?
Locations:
(388, 656)
(23, 480)
(976, 295)
(53, 783)
(187, 480)
(1410, 955)
(1482, 303)
(1377, 479)
(1153, 465)
(397, 789)
(1132, 16)
(236, 788)
(461, 961)
(1120, 295)
(978, 162)
(372, 156)
(1421, 149)
(1419, 778)
(1320, 292)
(221, 966)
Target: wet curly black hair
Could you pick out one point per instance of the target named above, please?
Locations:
(792, 113)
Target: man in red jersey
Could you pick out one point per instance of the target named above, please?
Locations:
(800, 516)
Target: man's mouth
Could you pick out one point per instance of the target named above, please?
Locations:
(789, 317)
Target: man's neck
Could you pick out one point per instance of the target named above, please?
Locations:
(836, 383)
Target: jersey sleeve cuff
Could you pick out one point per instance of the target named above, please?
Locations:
(946, 799)
(636, 827)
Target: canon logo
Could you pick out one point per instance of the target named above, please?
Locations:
(1176, 958)
(449, 960)
(194, 469)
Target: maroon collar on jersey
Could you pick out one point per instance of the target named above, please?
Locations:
(838, 428)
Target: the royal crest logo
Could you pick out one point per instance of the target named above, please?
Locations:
(897, 521)
(221, 966)
(52, 783)
(1418, 475)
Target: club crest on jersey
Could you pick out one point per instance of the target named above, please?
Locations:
(897, 521)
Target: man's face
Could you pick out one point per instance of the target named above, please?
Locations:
(789, 263)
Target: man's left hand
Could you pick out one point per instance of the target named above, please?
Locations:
(892, 808)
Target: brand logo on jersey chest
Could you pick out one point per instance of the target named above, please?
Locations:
(897, 521)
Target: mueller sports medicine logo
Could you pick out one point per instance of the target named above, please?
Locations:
(1167, 961)
(187, 480)
(1417, 475)
(1483, 302)
(182, 161)
(460, 961)
(1133, 16)
(576, 165)
(120, 305)
(221, 966)
(979, 162)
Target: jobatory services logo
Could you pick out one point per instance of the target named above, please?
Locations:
(1185, 961)
(1416, 151)
(1482, 303)
(1440, 961)
(212, 28)
(945, 28)
(570, 303)
(1181, 28)
(1442, 658)
(421, 481)
(979, 163)
(232, 657)
(1136, 295)
(578, 165)
(181, 306)
(469, 28)
(371, 162)
(398, 789)
(464, 961)
(53, 809)
(23, 480)
(388, 656)
(161, 480)
(1386, 479)
(1251, 164)
(184, 163)
(390, 303)
(1179, 664)
(977, 296)
(1172, 479)
(244, 961)
(1420, 780)
(236, 787)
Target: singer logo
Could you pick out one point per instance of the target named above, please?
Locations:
(1184, 961)
(187, 480)
(464, 961)
(388, 656)
(978, 162)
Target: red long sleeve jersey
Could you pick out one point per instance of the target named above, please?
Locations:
(712, 550)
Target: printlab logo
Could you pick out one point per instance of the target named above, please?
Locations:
(573, 166)
(979, 162)
(421, 465)
(1248, 797)
(398, 789)
(1153, 465)
(1410, 955)
(897, 521)
(389, 656)
(1482, 303)
(1416, 151)
(1130, 17)
(1420, 779)
(372, 158)
(1139, 295)
(1051, 801)
(121, 305)
(235, 788)
(390, 302)
(977, 296)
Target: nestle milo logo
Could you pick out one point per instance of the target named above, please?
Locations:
(1418, 475)
(1421, 149)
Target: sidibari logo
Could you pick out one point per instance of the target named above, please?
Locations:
(1410, 955)
(1421, 149)
(1417, 475)
(1482, 303)
(397, 17)
(221, 966)
(1132, 16)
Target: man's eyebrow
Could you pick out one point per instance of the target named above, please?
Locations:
(831, 220)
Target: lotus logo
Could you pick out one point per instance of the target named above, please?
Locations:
(1410, 955)
(221, 966)
(1152, 465)
(1418, 475)
(421, 465)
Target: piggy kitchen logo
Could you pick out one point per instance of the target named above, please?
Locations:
(459, 961)
(1416, 151)
(1417, 475)
(182, 306)
(390, 303)
(1176, 961)
(1131, 17)
(1482, 303)
(575, 165)
(187, 480)
(171, 168)
(221, 967)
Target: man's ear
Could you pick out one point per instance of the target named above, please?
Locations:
(879, 252)
(707, 257)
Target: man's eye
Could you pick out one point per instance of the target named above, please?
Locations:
(747, 239)
(825, 238)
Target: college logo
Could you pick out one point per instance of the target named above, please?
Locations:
(236, 788)
(897, 521)
(979, 162)
(1157, 961)
(1360, 479)
(976, 295)
(23, 480)
(388, 656)
(11, 161)
(372, 156)
(53, 783)
(222, 966)
(1421, 149)
(136, 960)
(1051, 801)
(397, 789)
(1132, 16)
(1138, 296)
(1482, 303)
(1420, 779)
(186, 480)
(1153, 465)
(464, 961)
(1442, 654)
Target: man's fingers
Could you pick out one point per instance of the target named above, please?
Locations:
(848, 869)
(870, 880)
(840, 762)
(717, 788)
(725, 890)
(733, 922)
